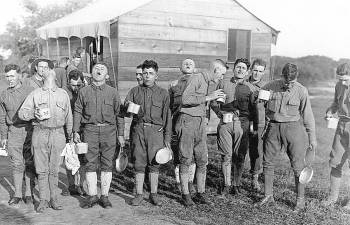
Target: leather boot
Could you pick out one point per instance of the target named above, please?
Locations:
(54, 205)
(187, 200)
(92, 200)
(334, 192)
(43, 204)
(154, 198)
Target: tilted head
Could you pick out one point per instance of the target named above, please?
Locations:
(187, 66)
(258, 69)
(12, 74)
(241, 67)
(149, 72)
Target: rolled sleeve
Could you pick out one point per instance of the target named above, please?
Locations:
(78, 113)
(167, 119)
(68, 117)
(308, 116)
(119, 115)
(3, 125)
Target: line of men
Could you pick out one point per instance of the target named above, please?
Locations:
(262, 128)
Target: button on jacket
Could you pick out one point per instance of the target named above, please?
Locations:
(57, 100)
(10, 101)
(288, 105)
(154, 107)
(98, 105)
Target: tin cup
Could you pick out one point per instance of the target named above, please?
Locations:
(264, 95)
(81, 148)
(133, 108)
(227, 118)
(332, 123)
(222, 99)
(45, 113)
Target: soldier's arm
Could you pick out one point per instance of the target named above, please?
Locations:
(253, 109)
(307, 115)
(214, 105)
(190, 96)
(27, 110)
(334, 107)
(167, 119)
(3, 125)
(78, 112)
(68, 117)
(119, 115)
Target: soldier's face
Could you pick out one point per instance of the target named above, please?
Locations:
(76, 84)
(219, 73)
(240, 70)
(149, 76)
(42, 68)
(139, 76)
(76, 61)
(12, 77)
(187, 66)
(99, 72)
(257, 72)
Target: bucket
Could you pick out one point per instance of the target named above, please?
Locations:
(81, 148)
(332, 123)
(306, 175)
(164, 155)
(3, 152)
(264, 95)
(133, 108)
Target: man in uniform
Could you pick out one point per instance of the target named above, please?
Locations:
(61, 72)
(191, 125)
(138, 74)
(152, 129)
(40, 66)
(16, 134)
(97, 113)
(233, 136)
(49, 108)
(255, 142)
(175, 91)
(339, 156)
(288, 104)
(76, 182)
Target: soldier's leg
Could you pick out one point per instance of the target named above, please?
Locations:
(29, 165)
(256, 157)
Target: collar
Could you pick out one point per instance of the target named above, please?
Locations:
(101, 87)
(53, 89)
(11, 90)
(155, 86)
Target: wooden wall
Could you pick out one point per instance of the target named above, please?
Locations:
(170, 31)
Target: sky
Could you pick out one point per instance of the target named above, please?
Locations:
(307, 27)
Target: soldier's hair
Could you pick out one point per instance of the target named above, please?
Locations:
(221, 62)
(75, 75)
(76, 55)
(343, 69)
(101, 63)
(290, 71)
(139, 66)
(258, 62)
(80, 50)
(150, 64)
(242, 60)
(10, 67)
(63, 60)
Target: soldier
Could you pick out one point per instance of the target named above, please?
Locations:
(139, 74)
(49, 108)
(233, 136)
(191, 125)
(97, 113)
(175, 91)
(152, 129)
(16, 134)
(255, 142)
(76, 182)
(39, 66)
(288, 104)
(61, 72)
(339, 155)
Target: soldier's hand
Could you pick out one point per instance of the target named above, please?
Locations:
(313, 145)
(167, 144)
(38, 115)
(76, 137)
(215, 95)
(121, 141)
(4, 143)
(329, 113)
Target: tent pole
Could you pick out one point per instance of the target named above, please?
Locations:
(97, 59)
(38, 48)
(69, 48)
(110, 49)
(81, 42)
(47, 48)
(58, 49)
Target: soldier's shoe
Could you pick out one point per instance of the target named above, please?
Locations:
(329, 203)
(178, 187)
(43, 205)
(187, 200)
(92, 200)
(236, 190)
(105, 203)
(191, 188)
(226, 191)
(73, 190)
(266, 201)
(14, 201)
(155, 200)
(54, 205)
(137, 200)
(201, 198)
(255, 185)
(28, 200)
(300, 205)
(81, 191)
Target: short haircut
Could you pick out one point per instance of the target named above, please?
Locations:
(63, 60)
(242, 60)
(290, 71)
(150, 64)
(221, 62)
(75, 75)
(343, 69)
(101, 63)
(258, 62)
(80, 50)
(10, 67)
(139, 66)
(76, 55)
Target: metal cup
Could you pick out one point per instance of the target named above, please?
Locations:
(264, 95)
(332, 123)
(133, 108)
(227, 118)
(222, 99)
(45, 113)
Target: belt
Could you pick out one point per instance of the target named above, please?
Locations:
(97, 124)
(274, 121)
(48, 128)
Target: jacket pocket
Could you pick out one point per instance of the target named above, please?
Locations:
(108, 111)
(293, 106)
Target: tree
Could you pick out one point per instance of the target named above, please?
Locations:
(22, 39)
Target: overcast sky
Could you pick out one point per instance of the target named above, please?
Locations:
(308, 27)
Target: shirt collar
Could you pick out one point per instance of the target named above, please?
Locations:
(152, 88)
(53, 89)
(95, 87)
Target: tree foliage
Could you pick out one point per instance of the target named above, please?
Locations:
(21, 39)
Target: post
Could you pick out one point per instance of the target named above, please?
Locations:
(47, 48)
(58, 49)
(69, 47)
(110, 49)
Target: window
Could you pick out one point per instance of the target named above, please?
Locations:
(238, 44)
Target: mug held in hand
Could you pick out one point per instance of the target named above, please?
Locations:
(44, 113)
(264, 95)
(133, 108)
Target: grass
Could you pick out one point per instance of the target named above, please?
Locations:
(240, 210)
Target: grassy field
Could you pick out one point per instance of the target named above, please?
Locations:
(240, 210)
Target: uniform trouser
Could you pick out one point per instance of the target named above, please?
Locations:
(293, 137)
(147, 140)
(192, 138)
(256, 152)
(48, 144)
(21, 157)
(340, 154)
(102, 142)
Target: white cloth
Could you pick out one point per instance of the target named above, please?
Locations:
(71, 159)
